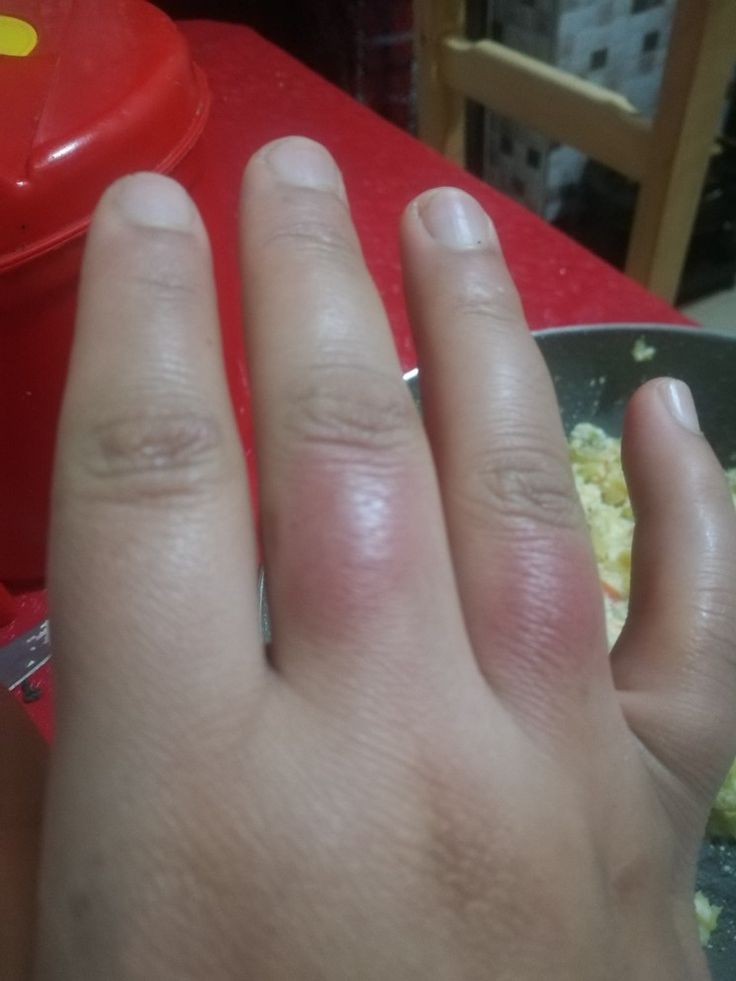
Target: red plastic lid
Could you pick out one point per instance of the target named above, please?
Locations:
(91, 90)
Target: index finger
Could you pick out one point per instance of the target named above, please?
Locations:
(152, 575)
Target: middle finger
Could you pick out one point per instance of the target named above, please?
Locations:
(355, 547)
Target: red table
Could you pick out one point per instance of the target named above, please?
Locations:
(260, 93)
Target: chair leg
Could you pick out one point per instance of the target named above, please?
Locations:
(441, 112)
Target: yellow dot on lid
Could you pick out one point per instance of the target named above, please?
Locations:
(17, 37)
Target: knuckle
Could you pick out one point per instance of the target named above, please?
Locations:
(317, 238)
(168, 270)
(461, 853)
(164, 288)
(151, 456)
(708, 617)
(489, 308)
(473, 863)
(712, 624)
(352, 408)
(633, 868)
(524, 482)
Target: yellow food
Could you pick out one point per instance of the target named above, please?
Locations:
(641, 351)
(706, 916)
(722, 821)
(596, 465)
(599, 477)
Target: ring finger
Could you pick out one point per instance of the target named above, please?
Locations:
(522, 556)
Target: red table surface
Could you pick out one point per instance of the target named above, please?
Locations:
(260, 93)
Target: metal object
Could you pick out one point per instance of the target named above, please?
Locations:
(24, 655)
(264, 614)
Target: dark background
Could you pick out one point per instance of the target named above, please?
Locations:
(364, 46)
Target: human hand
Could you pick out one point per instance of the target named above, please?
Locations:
(435, 772)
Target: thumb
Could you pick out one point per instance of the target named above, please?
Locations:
(675, 663)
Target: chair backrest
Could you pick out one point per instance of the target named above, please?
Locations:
(668, 155)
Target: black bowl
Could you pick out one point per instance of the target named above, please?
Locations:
(595, 373)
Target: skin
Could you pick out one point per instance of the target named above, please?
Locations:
(435, 772)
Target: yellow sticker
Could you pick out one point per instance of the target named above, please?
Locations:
(17, 37)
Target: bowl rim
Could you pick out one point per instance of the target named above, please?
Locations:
(623, 328)
(683, 330)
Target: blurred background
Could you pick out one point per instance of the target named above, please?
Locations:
(366, 48)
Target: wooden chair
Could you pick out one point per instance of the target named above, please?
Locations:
(667, 155)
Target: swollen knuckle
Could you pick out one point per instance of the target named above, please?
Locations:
(359, 408)
(152, 456)
(523, 483)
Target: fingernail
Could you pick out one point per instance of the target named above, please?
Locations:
(155, 201)
(455, 219)
(304, 163)
(679, 401)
